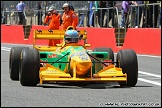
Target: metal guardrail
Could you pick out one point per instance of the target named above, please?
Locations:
(82, 15)
(115, 12)
(43, 14)
(8, 15)
(143, 6)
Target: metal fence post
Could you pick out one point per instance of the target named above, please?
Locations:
(101, 18)
(78, 17)
(84, 20)
(107, 17)
(10, 17)
(35, 17)
(131, 16)
(153, 16)
(138, 20)
(94, 13)
(31, 21)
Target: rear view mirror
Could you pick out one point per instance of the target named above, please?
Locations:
(87, 45)
(80, 37)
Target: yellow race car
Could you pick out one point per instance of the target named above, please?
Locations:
(71, 61)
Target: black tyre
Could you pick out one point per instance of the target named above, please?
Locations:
(29, 67)
(14, 62)
(127, 60)
(109, 50)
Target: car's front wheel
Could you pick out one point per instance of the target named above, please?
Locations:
(29, 67)
(127, 60)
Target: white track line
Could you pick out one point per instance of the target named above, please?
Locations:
(149, 81)
(146, 55)
(149, 74)
(155, 79)
(16, 44)
(5, 48)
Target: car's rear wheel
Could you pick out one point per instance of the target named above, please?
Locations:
(109, 50)
(14, 61)
(127, 60)
(29, 67)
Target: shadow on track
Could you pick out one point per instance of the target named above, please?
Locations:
(109, 85)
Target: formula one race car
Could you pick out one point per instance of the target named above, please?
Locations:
(70, 61)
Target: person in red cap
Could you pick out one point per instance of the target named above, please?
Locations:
(54, 23)
(68, 18)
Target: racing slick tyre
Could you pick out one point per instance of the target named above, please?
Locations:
(29, 67)
(127, 60)
(14, 62)
(109, 50)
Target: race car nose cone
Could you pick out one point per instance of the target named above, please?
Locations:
(83, 63)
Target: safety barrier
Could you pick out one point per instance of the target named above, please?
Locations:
(142, 40)
(85, 16)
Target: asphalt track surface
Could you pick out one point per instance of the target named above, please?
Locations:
(147, 92)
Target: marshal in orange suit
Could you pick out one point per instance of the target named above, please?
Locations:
(53, 21)
(69, 18)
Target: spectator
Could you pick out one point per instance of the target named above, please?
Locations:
(2, 16)
(96, 10)
(146, 17)
(91, 15)
(125, 11)
(138, 14)
(154, 13)
(40, 13)
(81, 22)
(54, 24)
(160, 15)
(102, 4)
(111, 12)
(133, 15)
(68, 18)
(20, 7)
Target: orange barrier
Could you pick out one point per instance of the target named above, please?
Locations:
(142, 40)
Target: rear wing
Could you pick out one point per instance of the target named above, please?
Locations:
(55, 34)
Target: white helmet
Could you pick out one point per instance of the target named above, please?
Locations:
(51, 8)
(65, 5)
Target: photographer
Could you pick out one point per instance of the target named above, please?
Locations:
(53, 24)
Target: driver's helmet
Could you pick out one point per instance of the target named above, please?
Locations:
(71, 36)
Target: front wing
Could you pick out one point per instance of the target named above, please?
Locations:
(108, 74)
